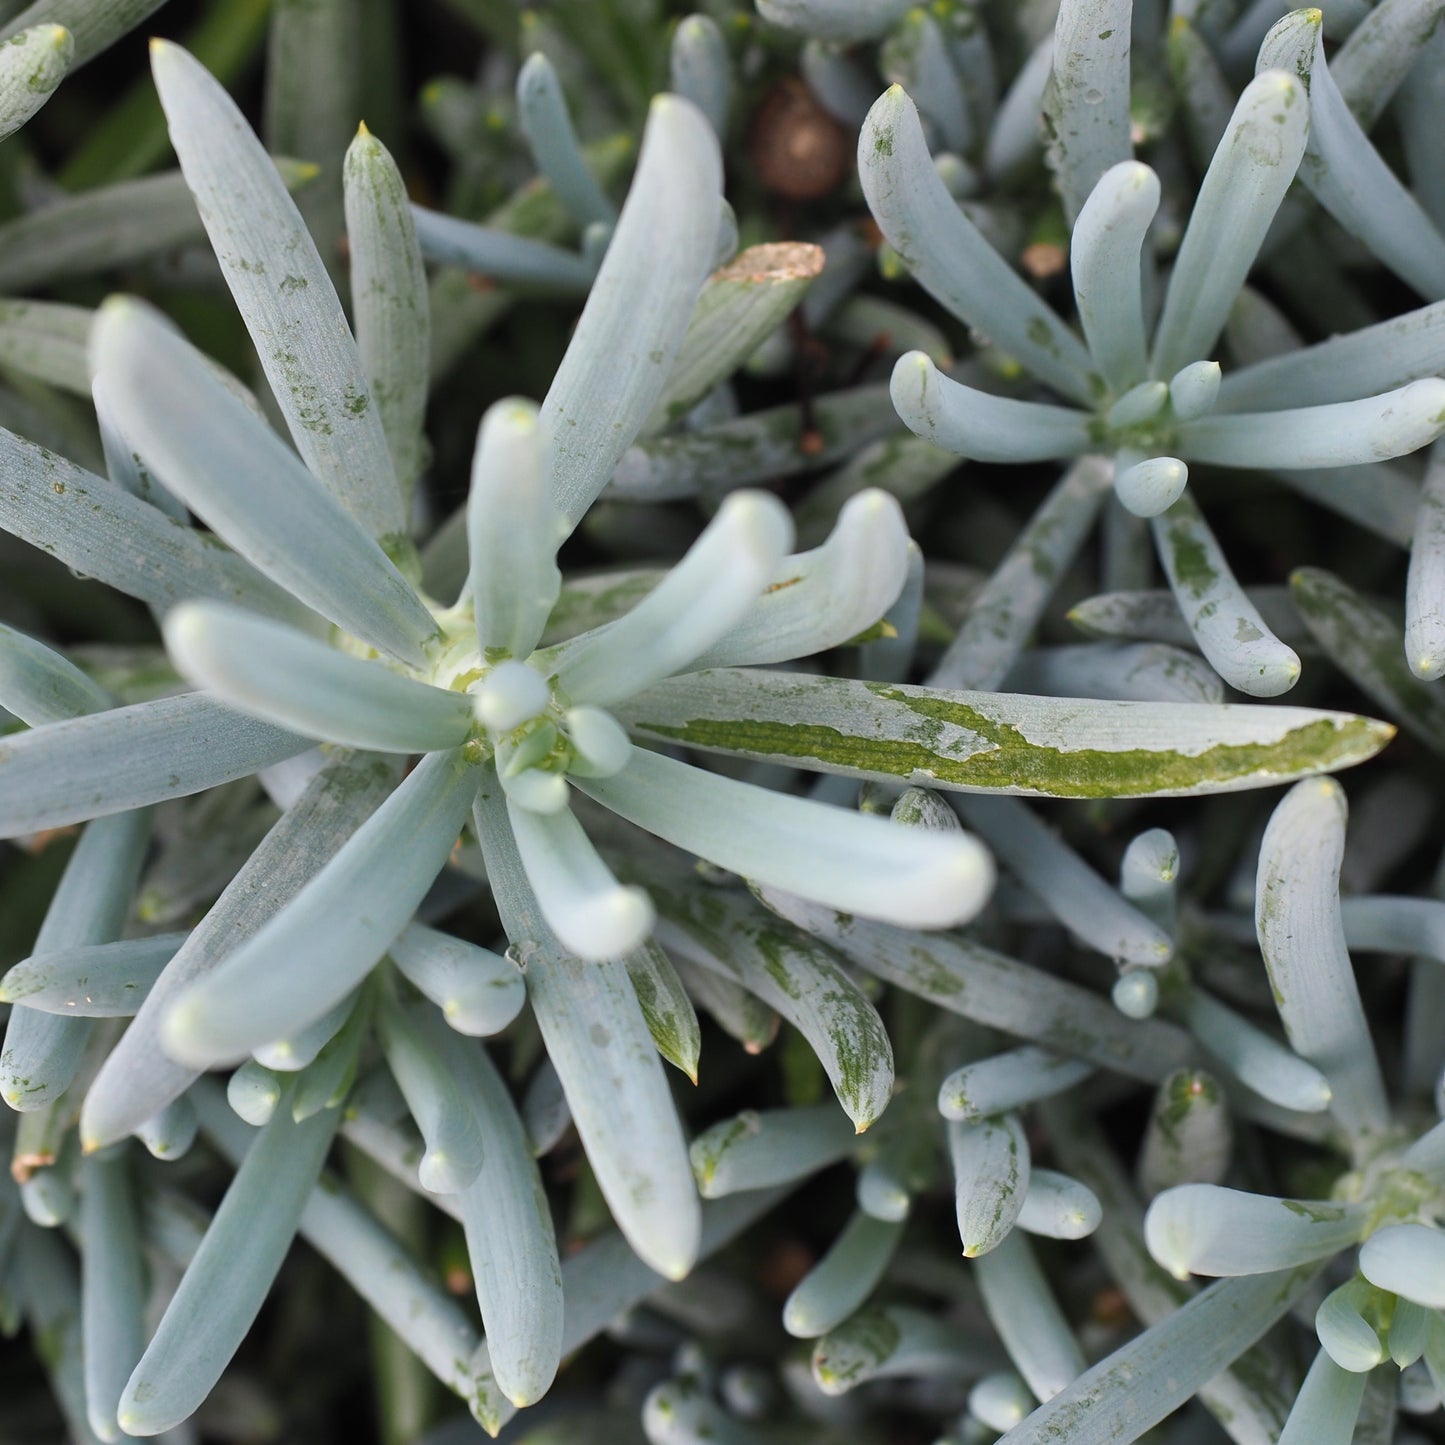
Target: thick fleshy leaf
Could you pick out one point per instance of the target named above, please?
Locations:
(1346, 174)
(510, 1241)
(102, 531)
(1367, 645)
(678, 1412)
(1003, 613)
(542, 115)
(41, 1279)
(896, 1341)
(341, 921)
(1076, 895)
(1129, 1391)
(283, 292)
(842, 1280)
(501, 256)
(98, 980)
(966, 978)
(1058, 1207)
(980, 426)
(93, 28)
(139, 1078)
(593, 915)
(700, 69)
(617, 363)
(1227, 628)
(512, 531)
(479, 992)
(247, 484)
(1237, 199)
(32, 63)
(990, 1177)
(1341, 434)
(1205, 1229)
(1105, 257)
(1189, 1137)
(127, 757)
(40, 686)
(1348, 1338)
(1425, 586)
(397, 1286)
(1297, 917)
(112, 1299)
(1086, 103)
(731, 935)
(1254, 1057)
(709, 592)
(1327, 1406)
(759, 1149)
(667, 1007)
(1007, 1081)
(598, 1041)
(1408, 1260)
(916, 877)
(997, 742)
(223, 1290)
(835, 19)
(389, 301)
(1029, 1321)
(951, 260)
(298, 682)
(46, 340)
(741, 304)
(425, 1058)
(1153, 615)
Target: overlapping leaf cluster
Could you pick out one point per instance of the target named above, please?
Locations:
(433, 833)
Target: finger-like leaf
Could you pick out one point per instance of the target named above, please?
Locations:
(112, 1298)
(298, 682)
(1142, 672)
(732, 935)
(1238, 197)
(990, 1177)
(98, 980)
(1058, 1207)
(919, 878)
(1228, 630)
(478, 991)
(842, 1280)
(951, 260)
(1205, 1229)
(637, 313)
(997, 742)
(700, 68)
(663, 998)
(283, 292)
(389, 300)
(238, 475)
(139, 1077)
(980, 426)
(46, 340)
(677, 1412)
(1005, 610)
(341, 921)
(599, 1043)
(103, 531)
(896, 1341)
(510, 1242)
(1327, 1406)
(835, 19)
(1408, 1260)
(756, 1150)
(1007, 1081)
(93, 28)
(1086, 103)
(222, 1292)
(1297, 916)
(542, 114)
(1027, 1317)
(40, 686)
(1425, 586)
(127, 757)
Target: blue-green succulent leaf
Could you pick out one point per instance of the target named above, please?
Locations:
(93, 28)
(40, 686)
(479, 992)
(1425, 584)
(950, 259)
(112, 1288)
(298, 682)
(341, 921)
(990, 1179)
(842, 1280)
(542, 115)
(700, 69)
(1327, 1406)
(96, 980)
(640, 304)
(1007, 1081)
(758, 1149)
(835, 19)
(1032, 1327)
(283, 292)
(232, 470)
(1241, 191)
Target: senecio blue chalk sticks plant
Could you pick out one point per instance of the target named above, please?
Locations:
(481, 734)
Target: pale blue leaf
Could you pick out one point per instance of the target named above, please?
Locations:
(897, 1341)
(758, 1149)
(479, 992)
(501, 256)
(285, 677)
(700, 69)
(221, 1293)
(1297, 917)
(389, 301)
(1425, 582)
(1059, 1207)
(112, 1288)
(1327, 1406)
(283, 292)
(638, 311)
(93, 27)
(341, 921)
(545, 122)
(1254, 1057)
(1007, 1081)
(1237, 199)
(1032, 1327)
(990, 1178)
(127, 757)
(40, 686)
(835, 19)
(1408, 1260)
(951, 260)
(246, 483)
(97, 980)
(842, 1280)
(1348, 1338)
(46, 339)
